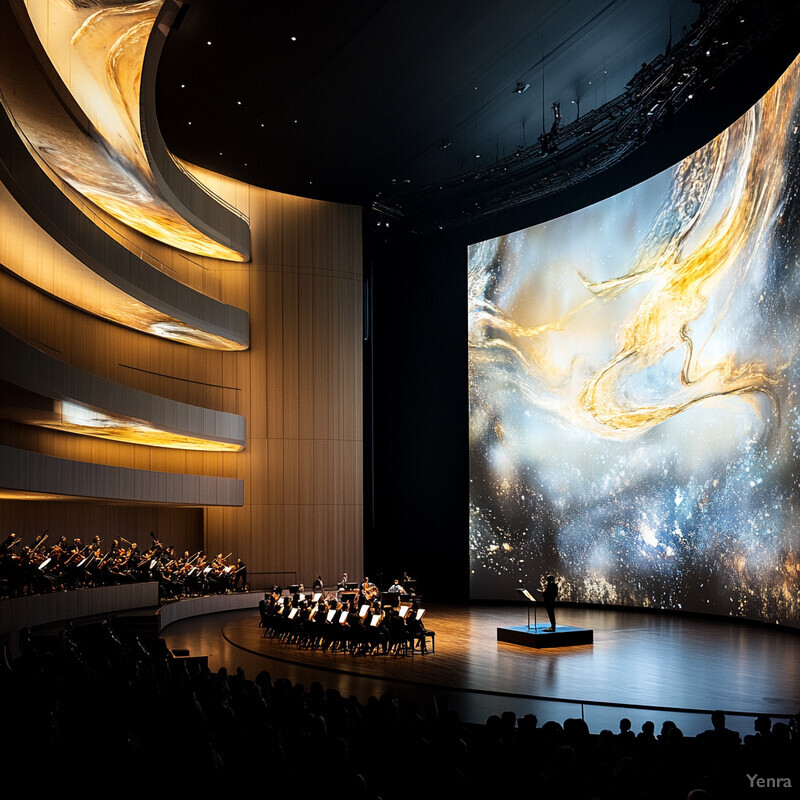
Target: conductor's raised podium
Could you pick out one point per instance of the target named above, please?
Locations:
(540, 635)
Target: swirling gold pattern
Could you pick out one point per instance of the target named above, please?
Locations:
(633, 371)
(98, 52)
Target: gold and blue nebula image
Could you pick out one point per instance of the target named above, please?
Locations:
(633, 379)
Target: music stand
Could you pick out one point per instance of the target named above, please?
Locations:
(535, 597)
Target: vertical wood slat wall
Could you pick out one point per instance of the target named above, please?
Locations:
(303, 464)
(299, 387)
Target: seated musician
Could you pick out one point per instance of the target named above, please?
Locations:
(369, 591)
(396, 588)
(416, 629)
(239, 576)
(8, 543)
(398, 632)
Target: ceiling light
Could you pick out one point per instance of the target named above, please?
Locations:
(520, 88)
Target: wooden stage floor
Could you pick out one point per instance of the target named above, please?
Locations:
(638, 658)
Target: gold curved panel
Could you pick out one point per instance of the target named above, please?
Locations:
(28, 251)
(74, 418)
(98, 53)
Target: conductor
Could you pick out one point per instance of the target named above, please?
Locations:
(549, 594)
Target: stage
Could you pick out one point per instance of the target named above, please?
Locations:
(637, 658)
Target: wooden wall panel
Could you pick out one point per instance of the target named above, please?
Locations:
(303, 462)
(298, 386)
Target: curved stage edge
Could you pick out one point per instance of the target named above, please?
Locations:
(644, 666)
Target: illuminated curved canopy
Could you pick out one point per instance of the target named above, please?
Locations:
(97, 52)
(43, 391)
(92, 266)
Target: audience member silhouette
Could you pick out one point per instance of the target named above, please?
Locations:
(171, 720)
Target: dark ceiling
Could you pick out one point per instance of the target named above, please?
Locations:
(335, 101)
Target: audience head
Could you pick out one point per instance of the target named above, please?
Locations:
(763, 724)
(718, 720)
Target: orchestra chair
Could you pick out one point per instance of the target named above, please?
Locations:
(398, 645)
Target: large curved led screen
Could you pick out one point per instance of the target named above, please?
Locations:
(633, 380)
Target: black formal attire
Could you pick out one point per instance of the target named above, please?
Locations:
(549, 594)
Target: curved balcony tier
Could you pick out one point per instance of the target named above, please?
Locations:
(36, 476)
(95, 58)
(45, 392)
(92, 271)
(188, 196)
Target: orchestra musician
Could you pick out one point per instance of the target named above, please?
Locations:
(239, 576)
(68, 565)
(369, 591)
(8, 543)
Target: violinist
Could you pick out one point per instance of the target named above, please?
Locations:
(239, 576)
(7, 544)
(10, 564)
(34, 580)
(73, 570)
(58, 555)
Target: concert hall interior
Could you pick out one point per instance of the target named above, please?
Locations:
(239, 243)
